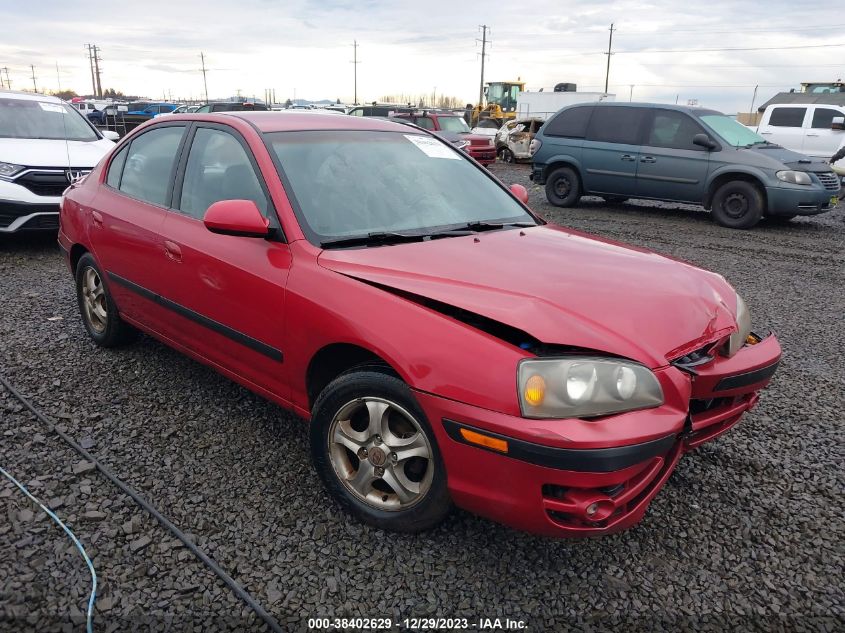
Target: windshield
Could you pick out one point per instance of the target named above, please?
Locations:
(452, 124)
(353, 183)
(733, 133)
(23, 118)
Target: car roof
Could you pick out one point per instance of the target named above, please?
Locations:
(285, 121)
(664, 106)
(28, 96)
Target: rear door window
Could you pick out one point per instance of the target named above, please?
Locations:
(787, 117)
(148, 172)
(571, 123)
(616, 124)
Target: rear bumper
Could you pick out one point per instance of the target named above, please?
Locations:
(571, 478)
(486, 155)
(795, 201)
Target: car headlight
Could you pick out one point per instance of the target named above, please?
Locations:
(795, 177)
(581, 387)
(7, 170)
(743, 324)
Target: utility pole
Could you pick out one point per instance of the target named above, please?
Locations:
(609, 53)
(58, 77)
(204, 80)
(484, 29)
(91, 67)
(753, 99)
(97, 71)
(34, 87)
(6, 70)
(631, 94)
(355, 63)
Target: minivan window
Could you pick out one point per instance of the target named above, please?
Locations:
(218, 168)
(674, 130)
(787, 117)
(149, 164)
(25, 118)
(730, 131)
(570, 123)
(823, 117)
(616, 124)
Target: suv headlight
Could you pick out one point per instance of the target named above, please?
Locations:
(743, 325)
(7, 170)
(580, 387)
(795, 177)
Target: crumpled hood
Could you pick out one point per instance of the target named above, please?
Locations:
(53, 153)
(561, 287)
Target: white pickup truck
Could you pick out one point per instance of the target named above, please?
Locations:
(813, 129)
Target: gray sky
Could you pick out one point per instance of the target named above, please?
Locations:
(152, 47)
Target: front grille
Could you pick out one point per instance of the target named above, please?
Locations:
(829, 180)
(48, 182)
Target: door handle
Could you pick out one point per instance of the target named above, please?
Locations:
(628, 157)
(766, 133)
(648, 159)
(97, 217)
(172, 250)
(808, 134)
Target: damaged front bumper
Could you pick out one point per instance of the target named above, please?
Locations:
(592, 477)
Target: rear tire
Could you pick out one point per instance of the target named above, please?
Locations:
(98, 310)
(507, 155)
(362, 424)
(563, 187)
(737, 205)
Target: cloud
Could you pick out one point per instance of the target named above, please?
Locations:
(306, 46)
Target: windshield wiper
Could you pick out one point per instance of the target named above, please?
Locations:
(372, 239)
(492, 226)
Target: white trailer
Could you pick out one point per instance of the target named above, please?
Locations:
(542, 105)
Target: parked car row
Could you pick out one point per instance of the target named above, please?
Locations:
(367, 275)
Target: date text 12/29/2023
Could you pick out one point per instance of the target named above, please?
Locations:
(417, 624)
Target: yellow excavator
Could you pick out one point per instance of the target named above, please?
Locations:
(501, 104)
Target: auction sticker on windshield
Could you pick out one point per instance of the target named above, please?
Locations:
(432, 147)
(52, 107)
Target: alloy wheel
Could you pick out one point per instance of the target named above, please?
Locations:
(94, 300)
(380, 453)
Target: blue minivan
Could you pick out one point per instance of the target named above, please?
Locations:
(679, 154)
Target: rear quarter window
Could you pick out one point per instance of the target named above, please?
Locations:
(787, 117)
(570, 123)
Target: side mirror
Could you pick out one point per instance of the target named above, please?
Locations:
(704, 141)
(110, 135)
(837, 123)
(236, 217)
(520, 192)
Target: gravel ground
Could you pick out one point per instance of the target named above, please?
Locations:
(747, 533)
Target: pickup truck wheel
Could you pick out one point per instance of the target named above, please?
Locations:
(737, 205)
(376, 453)
(99, 313)
(563, 187)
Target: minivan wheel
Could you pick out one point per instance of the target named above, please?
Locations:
(376, 453)
(737, 205)
(563, 187)
(99, 313)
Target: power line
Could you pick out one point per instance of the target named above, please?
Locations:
(783, 29)
(716, 50)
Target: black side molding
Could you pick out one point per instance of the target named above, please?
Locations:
(750, 378)
(196, 317)
(593, 460)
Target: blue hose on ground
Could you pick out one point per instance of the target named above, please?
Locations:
(89, 618)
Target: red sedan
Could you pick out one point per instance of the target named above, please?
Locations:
(446, 344)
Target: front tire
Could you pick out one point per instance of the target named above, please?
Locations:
(98, 310)
(376, 453)
(563, 187)
(507, 155)
(738, 205)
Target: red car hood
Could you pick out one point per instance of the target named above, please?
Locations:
(560, 286)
